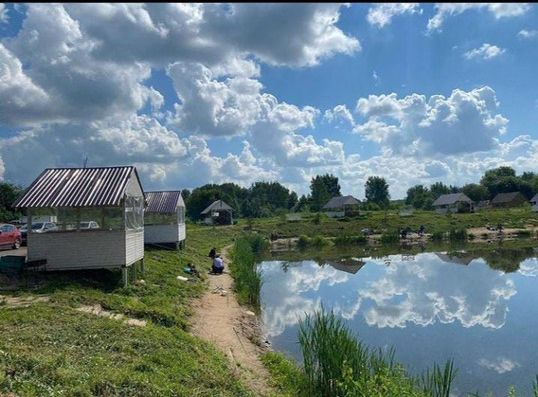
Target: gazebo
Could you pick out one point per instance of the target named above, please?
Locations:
(111, 198)
(164, 218)
(219, 213)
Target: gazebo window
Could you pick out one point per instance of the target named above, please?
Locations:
(134, 213)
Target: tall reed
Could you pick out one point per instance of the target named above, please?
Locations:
(247, 278)
(336, 363)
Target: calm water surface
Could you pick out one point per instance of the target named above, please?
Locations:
(430, 307)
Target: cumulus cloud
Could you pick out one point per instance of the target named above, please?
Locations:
(381, 14)
(500, 365)
(498, 10)
(463, 122)
(3, 13)
(527, 34)
(211, 33)
(485, 52)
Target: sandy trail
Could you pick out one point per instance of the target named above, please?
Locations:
(220, 320)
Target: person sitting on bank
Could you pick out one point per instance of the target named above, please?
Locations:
(212, 253)
(218, 265)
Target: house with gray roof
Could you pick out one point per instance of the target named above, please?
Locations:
(219, 213)
(164, 218)
(341, 206)
(453, 202)
(506, 200)
(100, 218)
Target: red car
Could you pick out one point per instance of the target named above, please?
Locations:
(10, 236)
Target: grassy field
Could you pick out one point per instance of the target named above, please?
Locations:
(380, 222)
(50, 349)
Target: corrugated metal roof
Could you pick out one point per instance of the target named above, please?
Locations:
(77, 187)
(453, 198)
(164, 202)
(216, 206)
(341, 201)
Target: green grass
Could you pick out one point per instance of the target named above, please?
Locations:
(380, 223)
(50, 349)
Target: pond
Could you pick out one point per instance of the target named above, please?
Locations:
(430, 307)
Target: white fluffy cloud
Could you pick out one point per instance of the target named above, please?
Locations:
(280, 34)
(3, 13)
(498, 10)
(500, 365)
(527, 34)
(381, 14)
(485, 52)
(462, 122)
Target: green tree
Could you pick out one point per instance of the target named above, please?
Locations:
(437, 189)
(323, 188)
(185, 193)
(377, 191)
(419, 197)
(475, 191)
(8, 194)
(320, 195)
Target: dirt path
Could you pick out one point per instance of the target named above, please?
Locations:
(220, 320)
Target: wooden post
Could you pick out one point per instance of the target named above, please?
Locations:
(125, 276)
(134, 271)
(142, 268)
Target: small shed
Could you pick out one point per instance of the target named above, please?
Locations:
(341, 206)
(164, 218)
(218, 213)
(506, 200)
(453, 202)
(111, 197)
(534, 202)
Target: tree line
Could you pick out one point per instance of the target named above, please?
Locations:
(495, 181)
(265, 199)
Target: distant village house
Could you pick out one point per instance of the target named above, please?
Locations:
(506, 200)
(454, 202)
(341, 206)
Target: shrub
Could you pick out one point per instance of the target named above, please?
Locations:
(350, 240)
(303, 241)
(437, 236)
(318, 241)
(390, 236)
(457, 234)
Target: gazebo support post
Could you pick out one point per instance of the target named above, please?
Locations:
(125, 276)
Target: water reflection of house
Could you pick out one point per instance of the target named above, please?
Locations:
(459, 259)
(348, 265)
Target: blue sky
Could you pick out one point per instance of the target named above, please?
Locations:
(195, 94)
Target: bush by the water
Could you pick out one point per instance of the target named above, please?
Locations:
(336, 363)
(247, 277)
(390, 236)
(347, 239)
(457, 234)
(437, 236)
(316, 241)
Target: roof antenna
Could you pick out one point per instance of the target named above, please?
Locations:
(85, 163)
